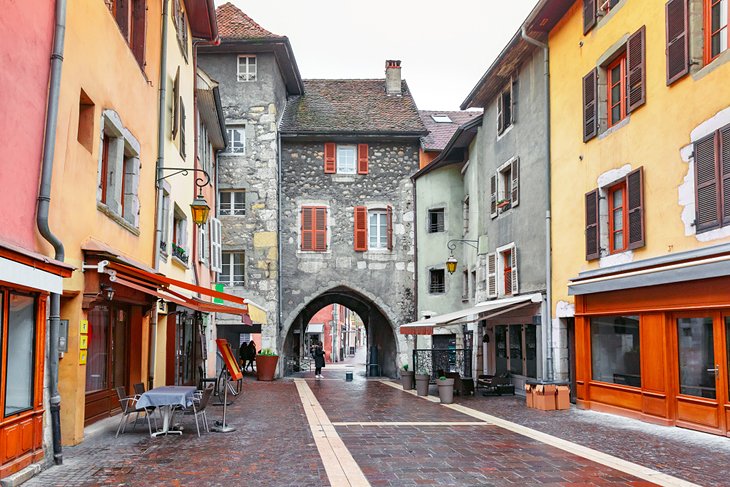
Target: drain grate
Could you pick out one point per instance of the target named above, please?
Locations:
(108, 471)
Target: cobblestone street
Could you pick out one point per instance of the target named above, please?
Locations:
(307, 432)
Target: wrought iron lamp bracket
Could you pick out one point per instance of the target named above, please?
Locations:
(200, 182)
(471, 243)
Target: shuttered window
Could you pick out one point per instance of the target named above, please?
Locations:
(617, 218)
(592, 230)
(712, 180)
(215, 245)
(717, 13)
(590, 112)
(492, 275)
(314, 228)
(493, 196)
(616, 89)
(635, 208)
(389, 229)
(590, 15)
(362, 158)
(330, 158)
(361, 228)
(677, 31)
(636, 70)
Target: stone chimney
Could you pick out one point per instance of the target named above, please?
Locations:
(392, 78)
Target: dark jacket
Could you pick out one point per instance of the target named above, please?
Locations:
(318, 357)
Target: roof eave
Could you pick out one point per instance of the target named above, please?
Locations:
(455, 151)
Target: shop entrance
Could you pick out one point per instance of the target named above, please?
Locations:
(703, 353)
(107, 359)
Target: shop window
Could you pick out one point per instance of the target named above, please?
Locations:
(437, 281)
(436, 220)
(516, 349)
(615, 350)
(20, 358)
(696, 354)
(500, 343)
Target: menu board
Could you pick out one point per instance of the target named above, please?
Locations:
(231, 364)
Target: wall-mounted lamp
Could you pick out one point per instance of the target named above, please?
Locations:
(199, 207)
(451, 262)
(107, 291)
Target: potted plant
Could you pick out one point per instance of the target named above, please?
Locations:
(422, 381)
(266, 361)
(503, 204)
(446, 390)
(406, 377)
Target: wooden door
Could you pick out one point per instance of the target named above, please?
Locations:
(701, 369)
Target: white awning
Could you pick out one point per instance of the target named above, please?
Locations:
(24, 275)
(315, 328)
(481, 311)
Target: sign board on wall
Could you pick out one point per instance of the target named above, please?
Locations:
(63, 336)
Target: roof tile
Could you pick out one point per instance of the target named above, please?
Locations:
(234, 24)
(439, 133)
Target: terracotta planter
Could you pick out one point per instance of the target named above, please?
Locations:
(446, 390)
(266, 366)
(422, 381)
(406, 379)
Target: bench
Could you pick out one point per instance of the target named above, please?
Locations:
(496, 384)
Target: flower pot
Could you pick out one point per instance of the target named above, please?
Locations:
(422, 381)
(406, 379)
(446, 390)
(266, 366)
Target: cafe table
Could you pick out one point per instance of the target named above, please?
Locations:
(166, 398)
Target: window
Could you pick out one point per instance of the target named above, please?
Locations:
(203, 243)
(378, 229)
(617, 218)
(465, 286)
(437, 281)
(617, 90)
(205, 149)
(313, 237)
(712, 180)
(346, 155)
(507, 272)
(504, 110)
(232, 202)
(436, 220)
(165, 222)
(516, 349)
(131, 17)
(465, 208)
(505, 188)
(179, 235)
(20, 358)
(473, 287)
(592, 9)
(607, 5)
(716, 28)
(181, 27)
(502, 277)
(233, 270)
(216, 256)
(85, 133)
(441, 118)
(615, 350)
(246, 68)
(182, 128)
(236, 140)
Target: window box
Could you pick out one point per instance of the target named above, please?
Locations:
(503, 204)
(180, 253)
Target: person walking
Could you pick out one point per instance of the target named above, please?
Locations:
(251, 355)
(318, 360)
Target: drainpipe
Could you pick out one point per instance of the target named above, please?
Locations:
(161, 127)
(547, 320)
(279, 205)
(44, 202)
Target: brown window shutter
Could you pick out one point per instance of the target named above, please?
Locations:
(123, 17)
(320, 228)
(515, 173)
(635, 197)
(492, 275)
(493, 196)
(330, 158)
(307, 228)
(175, 103)
(590, 108)
(725, 171)
(677, 28)
(593, 241)
(389, 226)
(362, 158)
(590, 16)
(706, 184)
(636, 70)
(500, 114)
(361, 229)
(139, 30)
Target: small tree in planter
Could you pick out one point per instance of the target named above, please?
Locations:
(266, 361)
(446, 390)
(406, 377)
(422, 381)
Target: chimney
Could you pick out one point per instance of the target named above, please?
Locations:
(392, 78)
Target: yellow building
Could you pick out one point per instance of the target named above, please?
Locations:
(641, 204)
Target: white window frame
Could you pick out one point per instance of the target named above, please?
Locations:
(233, 147)
(441, 118)
(203, 241)
(381, 240)
(340, 168)
(227, 260)
(165, 233)
(216, 257)
(465, 216)
(233, 207)
(500, 270)
(247, 75)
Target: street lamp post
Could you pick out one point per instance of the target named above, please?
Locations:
(199, 207)
(451, 262)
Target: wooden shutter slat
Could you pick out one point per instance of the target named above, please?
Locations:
(636, 70)
(635, 199)
(175, 103)
(500, 114)
(513, 278)
(330, 158)
(590, 15)
(590, 111)
(307, 228)
(677, 30)
(362, 158)
(361, 229)
(493, 196)
(139, 30)
(492, 275)
(320, 228)
(515, 173)
(725, 172)
(593, 249)
(706, 184)
(389, 226)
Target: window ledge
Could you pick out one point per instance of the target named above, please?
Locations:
(180, 263)
(344, 178)
(615, 128)
(723, 58)
(117, 218)
(505, 132)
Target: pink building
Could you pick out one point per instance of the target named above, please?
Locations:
(331, 326)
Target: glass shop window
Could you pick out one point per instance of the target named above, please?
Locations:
(615, 350)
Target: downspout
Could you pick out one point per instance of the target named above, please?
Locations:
(161, 127)
(547, 320)
(278, 231)
(44, 203)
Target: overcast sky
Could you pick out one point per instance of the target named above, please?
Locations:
(445, 46)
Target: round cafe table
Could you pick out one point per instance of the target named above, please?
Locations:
(166, 398)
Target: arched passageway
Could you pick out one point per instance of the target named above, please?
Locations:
(382, 346)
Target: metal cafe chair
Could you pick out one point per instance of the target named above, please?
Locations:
(129, 407)
(199, 408)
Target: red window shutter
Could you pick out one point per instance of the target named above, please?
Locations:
(330, 158)
(706, 184)
(635, 198)
(636, 70)
(493, 196)
(590, 108)
(677, 28)
(593, 241)
(362, 158)
(139, 30)
(389, 226)
(361, 229)
(725, 171)
(307, 228)
(320, 228)
(590, 16)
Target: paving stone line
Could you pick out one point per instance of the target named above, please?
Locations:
(341, 468)
(411, 423)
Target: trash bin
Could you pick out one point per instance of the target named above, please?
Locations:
(348, 376)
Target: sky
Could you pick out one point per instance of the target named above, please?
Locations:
(444, 46)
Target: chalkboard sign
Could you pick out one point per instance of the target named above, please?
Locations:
(231, 364)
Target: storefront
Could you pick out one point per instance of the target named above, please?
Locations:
(653, 341)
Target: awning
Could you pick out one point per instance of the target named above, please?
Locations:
(30, 269)
(481, 311)
(315, 328)
(256, 312)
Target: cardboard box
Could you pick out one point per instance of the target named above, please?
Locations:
(529, 396)
(544, 397)
(562, 399)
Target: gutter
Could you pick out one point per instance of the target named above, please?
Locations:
(43, 207)
(161, 136)
(547, 316)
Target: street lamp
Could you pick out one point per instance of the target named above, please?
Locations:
(200, 210)
(199, 206)
(108, 292)
(451, 262)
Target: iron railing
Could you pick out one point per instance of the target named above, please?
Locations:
(430, 361)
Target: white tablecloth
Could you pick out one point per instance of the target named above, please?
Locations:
(167, 396)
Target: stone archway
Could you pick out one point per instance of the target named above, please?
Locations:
(380, 328)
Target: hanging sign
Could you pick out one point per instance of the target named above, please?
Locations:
(231, 364)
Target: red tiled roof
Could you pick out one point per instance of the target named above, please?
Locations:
(439, 133)
(234, 24)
